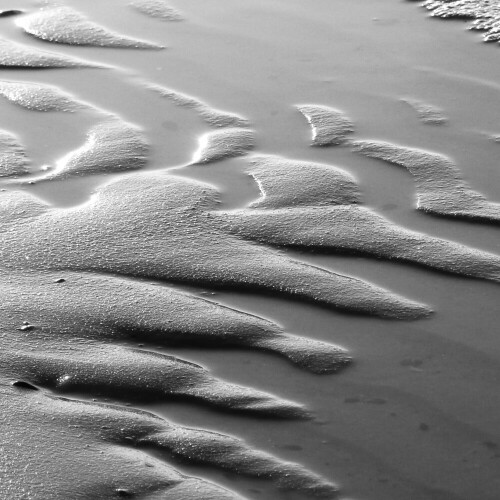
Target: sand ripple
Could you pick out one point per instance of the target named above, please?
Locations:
(329, 126)
(160, 226)
(427, 113)
(65, 25)
(16, 55)
(87, 291)
(109, 308)
(99, 437)
(158, 9)
(212, 116)
(293, 183)
(222, 144)
(302, 206)
(111, 146)
(13, 159)
(130, 375)
(37, 97)
(440, 187)
(439, 184)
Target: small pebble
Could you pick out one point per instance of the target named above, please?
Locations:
(123, 493)
(11, 12)
(24, 385)
(26, 327)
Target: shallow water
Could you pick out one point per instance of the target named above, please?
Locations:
(415, 415)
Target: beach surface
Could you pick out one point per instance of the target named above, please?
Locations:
(249, 249)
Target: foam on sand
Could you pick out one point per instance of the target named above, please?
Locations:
(13, 159)
(38, 97)
(330, 127)
(485, 14)
(439, 185)
(68, 26)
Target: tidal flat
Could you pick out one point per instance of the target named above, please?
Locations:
(249, 249)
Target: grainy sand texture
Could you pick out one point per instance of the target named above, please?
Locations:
(249, 249)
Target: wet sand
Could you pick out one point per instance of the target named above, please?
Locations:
(415, 413)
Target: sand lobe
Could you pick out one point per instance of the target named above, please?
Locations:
(212, 116)
(316, 206)
(68, 26)
(161, 226)
(16, 55)
(330, 127)
(440, 187)
(38, 97)
(13, 158)
(222, 144)
(159, 9)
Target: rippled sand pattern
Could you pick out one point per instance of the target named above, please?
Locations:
(325, 212)
(119, 263)
(440, 188)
